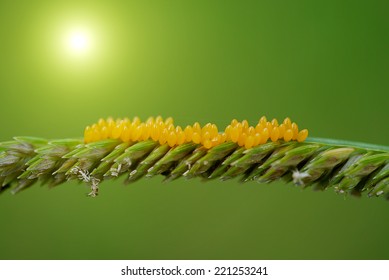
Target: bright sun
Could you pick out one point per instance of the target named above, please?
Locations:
(79, 41)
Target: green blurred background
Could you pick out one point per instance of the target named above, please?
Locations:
(323, 63)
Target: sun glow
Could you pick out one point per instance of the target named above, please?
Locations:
(79, 41)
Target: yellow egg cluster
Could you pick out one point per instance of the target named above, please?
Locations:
(164, 131)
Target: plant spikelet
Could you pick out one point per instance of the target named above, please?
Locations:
(347, 167)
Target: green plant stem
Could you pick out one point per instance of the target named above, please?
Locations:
(346, 143)
(347, 167)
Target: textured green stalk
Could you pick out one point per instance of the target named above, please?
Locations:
(347, 167)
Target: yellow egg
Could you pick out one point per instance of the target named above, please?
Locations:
(206, 135)
(169, 120)
(125, 137)
(257, 139)
(136, 121)
(116, 131)
(214, 131)
(136, 133)
(95, 135)
(234, 134)
(249, 142)
(188, 133)
(216, 140)
(250, 131)
(155, 132)
(259, 128)
(223, 137)
(245, 124)
(146, 132)
(101, 123)
(282, 129)
(269, 126)
(239, 126)
(196, 138)
(110, 125)
(295, 130)
(163, 137)
(197, 128)
(206, 128)
(265, 135)
(126, 122)
(88, 134)
(170, 127)
(172, 139)
(303, 134)
(178, 129)
(234, 122)
(242, 139)
(110, 120)
(288, 135)
(207, 144)
(180, 137)
(287, 122)
(227, 132)
(275, 133)
(150, 120)
(274, 122)
(104, 132)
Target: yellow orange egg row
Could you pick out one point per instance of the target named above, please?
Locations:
(164, 131)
